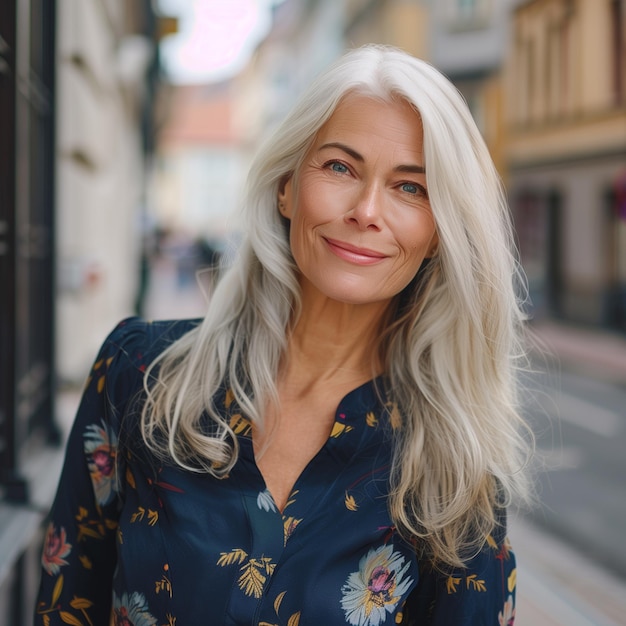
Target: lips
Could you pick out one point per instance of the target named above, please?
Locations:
(354, 254)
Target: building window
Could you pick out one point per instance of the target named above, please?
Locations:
(469, 14)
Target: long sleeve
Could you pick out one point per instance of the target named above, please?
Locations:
(481, 594)
(79, 554)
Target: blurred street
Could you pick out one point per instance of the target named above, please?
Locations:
(570, 550)
(580, 424)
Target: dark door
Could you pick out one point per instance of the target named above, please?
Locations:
(27, 61)
(554, 254)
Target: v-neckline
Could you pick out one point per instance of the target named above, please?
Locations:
(354, 405)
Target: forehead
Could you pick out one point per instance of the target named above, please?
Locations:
(362, 115)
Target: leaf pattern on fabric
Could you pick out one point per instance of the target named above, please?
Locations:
(340, 429)
(177, 521)
(289, 525)
(254, 572)
(351, 504)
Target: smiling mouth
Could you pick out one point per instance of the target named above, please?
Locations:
(353, 254)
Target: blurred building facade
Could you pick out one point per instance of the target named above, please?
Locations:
(468, 43)
(545, 81)
(105, 53)
(198, 172)
(76, 78)
(567, 156)
(306, 36)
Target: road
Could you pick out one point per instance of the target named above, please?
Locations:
(580, 425)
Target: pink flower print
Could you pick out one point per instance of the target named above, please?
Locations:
(100, 445)
(55, 549)
(104, 461)
(381, 581)
(121, 618)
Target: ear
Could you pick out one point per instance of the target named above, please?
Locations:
(285, 196)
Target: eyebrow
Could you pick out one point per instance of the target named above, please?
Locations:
(410, 169)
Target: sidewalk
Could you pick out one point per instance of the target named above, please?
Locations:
(557, 586)
(597, 354)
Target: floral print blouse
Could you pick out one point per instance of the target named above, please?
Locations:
(132, 541)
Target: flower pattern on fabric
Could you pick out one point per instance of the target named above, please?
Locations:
(55, 549)
(506, 617)
(265, 501)
(254, 571)
(132, 610)
(100, 444)
(123, 523)
(375, 590)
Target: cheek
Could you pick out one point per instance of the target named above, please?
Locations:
(416, 237)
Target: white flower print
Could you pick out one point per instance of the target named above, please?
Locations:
(265, 501)
(132, 610)
(375, 590)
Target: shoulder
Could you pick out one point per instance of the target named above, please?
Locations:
(138, 342)
(130, 348)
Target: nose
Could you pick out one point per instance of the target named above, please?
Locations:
(366, 210)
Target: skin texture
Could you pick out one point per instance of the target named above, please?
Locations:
(361, 225)
(353, 190)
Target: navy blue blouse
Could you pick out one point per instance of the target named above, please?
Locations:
(157, 545)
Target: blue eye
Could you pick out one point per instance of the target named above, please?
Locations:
(340, 168)
(409, 188)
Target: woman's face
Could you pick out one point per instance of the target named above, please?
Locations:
(361, 222)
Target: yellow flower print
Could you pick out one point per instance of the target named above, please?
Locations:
(371, 420)
(98, 374)
(254, 572)
(477, 584)
(395, 419)
(165, 584)
(451, 584)
(340, 429)
(512, 580)
(240, 425)
(294, 619)
(289, 524)
(350, 502)
(228, 400)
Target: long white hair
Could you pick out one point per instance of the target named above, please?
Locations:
(451, 351)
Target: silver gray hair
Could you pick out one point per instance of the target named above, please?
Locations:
(452, 348)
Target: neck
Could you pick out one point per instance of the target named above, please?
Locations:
(335, 341)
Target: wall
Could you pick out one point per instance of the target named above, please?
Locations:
(100, 175)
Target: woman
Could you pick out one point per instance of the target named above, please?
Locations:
(336, 441)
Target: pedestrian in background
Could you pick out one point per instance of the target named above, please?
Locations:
(337, 440)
